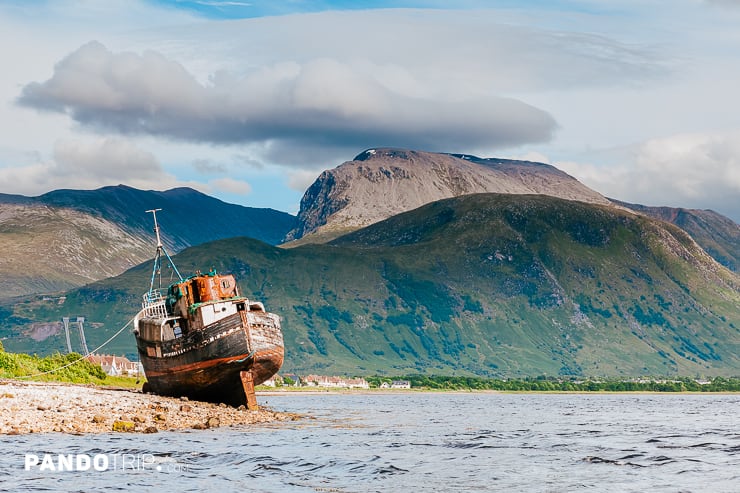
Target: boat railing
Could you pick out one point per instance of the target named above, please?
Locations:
(153, 304)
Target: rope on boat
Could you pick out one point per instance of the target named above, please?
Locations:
(82, 357)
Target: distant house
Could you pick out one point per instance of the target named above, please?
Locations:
(323, 381)
(357, 383)
(115, 365)
(272, 381)
(335, 382)
(281, 381)
(314, 380)
(401, 384)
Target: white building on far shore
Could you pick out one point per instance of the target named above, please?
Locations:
(116, 365)
(401, 384)
(336, 382)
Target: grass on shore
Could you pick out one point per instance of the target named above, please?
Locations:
(72, 367)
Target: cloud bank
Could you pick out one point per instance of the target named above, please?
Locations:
(322, 102)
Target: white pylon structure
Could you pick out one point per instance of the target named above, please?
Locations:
(79, 321)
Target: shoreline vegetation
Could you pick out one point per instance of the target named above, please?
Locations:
(567, 384)
(74, 368)
(71, 368)
(442, 384)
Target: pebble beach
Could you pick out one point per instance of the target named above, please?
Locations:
(47, 407)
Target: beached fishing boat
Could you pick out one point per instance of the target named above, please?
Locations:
(200, 338)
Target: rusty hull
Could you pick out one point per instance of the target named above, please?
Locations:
(197, 343)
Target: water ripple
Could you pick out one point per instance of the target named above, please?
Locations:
(422, 442)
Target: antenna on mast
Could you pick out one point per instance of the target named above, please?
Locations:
(158, 257)
(156, 226)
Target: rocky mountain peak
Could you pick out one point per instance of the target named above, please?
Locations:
(382, 182)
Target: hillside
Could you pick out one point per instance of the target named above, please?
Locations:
(717, 234)
(485, 284)
(380, 183)
(47, 249)
(68, 238)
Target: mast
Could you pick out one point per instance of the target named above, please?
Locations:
(157, 268)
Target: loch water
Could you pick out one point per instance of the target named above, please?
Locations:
(414, 442)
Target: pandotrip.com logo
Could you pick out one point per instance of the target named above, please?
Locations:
(53, 463)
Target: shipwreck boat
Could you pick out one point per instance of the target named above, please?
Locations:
(201, 339)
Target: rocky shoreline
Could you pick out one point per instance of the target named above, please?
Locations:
(44, 407)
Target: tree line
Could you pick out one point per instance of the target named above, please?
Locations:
(555, 384)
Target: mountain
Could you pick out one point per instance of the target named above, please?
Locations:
(380, 183)
(484, 284)
(67, 238)
(717, 234)
(188, 217)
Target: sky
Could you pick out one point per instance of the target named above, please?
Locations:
(250, 100)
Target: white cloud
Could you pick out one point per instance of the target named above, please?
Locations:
(90, 164)
(692, 165)
(208, 167)
(230, 186)
(686, 170)
(108, 158)
(300, 180)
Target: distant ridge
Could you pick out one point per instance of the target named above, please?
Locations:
(66, 238)
(717, 234)
(189, 218)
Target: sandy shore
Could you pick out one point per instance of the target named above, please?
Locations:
(42, 407)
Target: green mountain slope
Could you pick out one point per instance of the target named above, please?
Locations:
(486, 284)
(717, 234)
